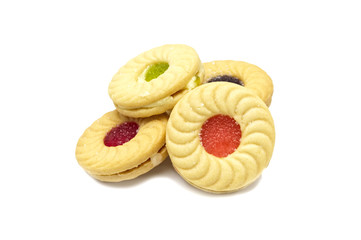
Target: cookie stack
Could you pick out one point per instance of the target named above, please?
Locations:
(212, 119)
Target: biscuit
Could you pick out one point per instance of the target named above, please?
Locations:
(116, 148)
(245, 74)
(220, 137)
(154, 81)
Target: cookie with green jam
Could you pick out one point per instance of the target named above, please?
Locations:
(154, 81)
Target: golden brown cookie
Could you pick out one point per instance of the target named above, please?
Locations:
(220, 137)
(116, 148)
(154, 81)
(245, 74)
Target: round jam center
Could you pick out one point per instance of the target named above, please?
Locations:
(220, 135)
(227, 78)
(121, 134)
(155, 70)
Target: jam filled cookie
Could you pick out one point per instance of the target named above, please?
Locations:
(220, 137)
(116, 148)
(243, 74)
(153, 82)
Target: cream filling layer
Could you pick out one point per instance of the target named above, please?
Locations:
(155, 160)
(193, 83)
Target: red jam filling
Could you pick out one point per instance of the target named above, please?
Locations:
(220, 135)
(121, 134)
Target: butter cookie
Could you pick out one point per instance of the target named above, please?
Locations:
(220, 137)
(116, 148)
(154, 81)
(245, 74)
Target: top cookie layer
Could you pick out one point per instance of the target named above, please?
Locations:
(253, 77)
(127, 91)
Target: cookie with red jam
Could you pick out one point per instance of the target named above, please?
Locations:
(116, 148)
(154, 81)
(220, 137)
(244, 74)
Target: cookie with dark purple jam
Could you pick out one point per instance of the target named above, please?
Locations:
(244, 74)
(227, 78)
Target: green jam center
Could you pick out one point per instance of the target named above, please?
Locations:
(197, 81)
(155, 70)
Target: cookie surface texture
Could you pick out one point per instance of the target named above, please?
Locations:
(136, 156)
(250, 76)
(234, 105)
(150, 83)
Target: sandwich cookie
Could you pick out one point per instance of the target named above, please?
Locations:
(153, 82)
(245, 74)
(116, 148)
(220, 137)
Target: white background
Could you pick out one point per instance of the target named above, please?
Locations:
(57, 59)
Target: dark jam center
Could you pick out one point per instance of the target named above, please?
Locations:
(220, 135)
(227, 78)
(121, 134)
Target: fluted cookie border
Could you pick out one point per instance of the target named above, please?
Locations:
(98, 159)
(127, 91)
(252, 76)
(204, 170)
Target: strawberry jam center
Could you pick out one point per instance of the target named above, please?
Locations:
(220, 135)
(121, 134)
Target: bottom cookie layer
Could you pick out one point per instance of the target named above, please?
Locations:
(132, 173)
(152, 110)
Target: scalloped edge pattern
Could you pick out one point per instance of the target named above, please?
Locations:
(204, 170)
